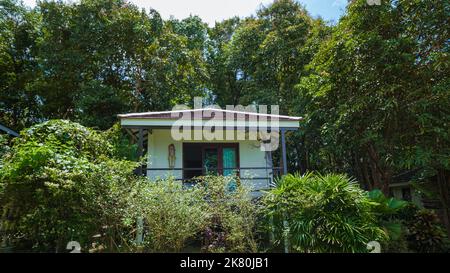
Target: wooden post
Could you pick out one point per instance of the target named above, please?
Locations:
(286, 235)
(140, 220)
(270, 175)
(139, 230)
(285, 222)
(270, 170)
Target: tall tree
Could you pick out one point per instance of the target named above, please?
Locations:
(224, 81)
(264, 57)
(92, 55)
(259, 60)
(19, 32)
(378, 92)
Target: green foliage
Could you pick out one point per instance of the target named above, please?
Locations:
(373, 89)
(425, 233)
(322, 214)
(123, 146)
(59, 184)
(4, 147)
(67, 136)
(172, 214)
(176, 216)
(259, 60)
(232, 215)
(92, 59)
(18, 66)
(386, 206)
(409, 228)
(375, 102)
(388, 212)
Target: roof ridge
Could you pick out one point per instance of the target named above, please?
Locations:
(129, 115)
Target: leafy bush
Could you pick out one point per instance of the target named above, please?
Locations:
(67, 136)
(123, 146)
(388, 212)
(316, 213)
(171, 213)
(4, 147)
(425, 233)
(223, 217)
(59, 183)
(232, 215)
(409, 228)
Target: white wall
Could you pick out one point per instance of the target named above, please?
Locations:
(249, 153)
(158, 152)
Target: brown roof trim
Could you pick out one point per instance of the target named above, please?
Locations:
(236, 114)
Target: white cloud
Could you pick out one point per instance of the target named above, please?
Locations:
(209, 10)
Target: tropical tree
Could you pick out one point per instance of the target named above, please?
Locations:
(19, 32)
(370, 91)
(265, 55)
(315, 213)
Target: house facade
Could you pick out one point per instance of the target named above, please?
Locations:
(189, 143)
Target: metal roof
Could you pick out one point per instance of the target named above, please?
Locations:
(206, 113)
(8, 130)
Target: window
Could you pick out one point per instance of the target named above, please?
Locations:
(406, 194)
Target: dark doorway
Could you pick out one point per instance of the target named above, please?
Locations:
(192, 160)
(210, 159)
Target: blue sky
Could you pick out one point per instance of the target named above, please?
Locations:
(328, 9)
(217, 10)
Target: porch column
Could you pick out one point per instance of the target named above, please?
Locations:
(285, 222)
(140, 148)
(283, 150)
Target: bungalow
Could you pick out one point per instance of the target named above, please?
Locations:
(194, 142)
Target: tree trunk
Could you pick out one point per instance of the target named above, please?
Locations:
(365, 172)
(381, 175)
(443, 181)
(307, 162)
(359, 172)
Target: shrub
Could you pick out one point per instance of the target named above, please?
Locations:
(172, 214)
(409, 228)
(67, 136)
(59, 183)
(317, 213)
(123, 146)
(424, 233)
(389, 212)
(4, 147)
(217, 210)
(232, 215)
